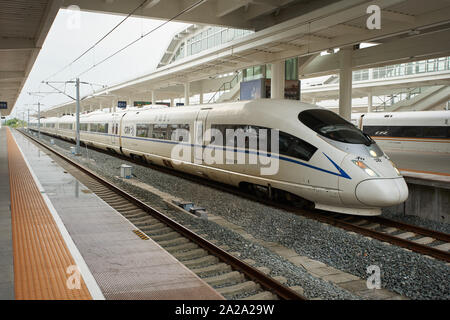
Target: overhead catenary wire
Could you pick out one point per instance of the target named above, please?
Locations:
(128, 45)
(98, 41)
(141, 37)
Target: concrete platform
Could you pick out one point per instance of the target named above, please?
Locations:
(114, 262)
(428, 177)
(428, 165)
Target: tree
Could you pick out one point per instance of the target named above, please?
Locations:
(14, 123)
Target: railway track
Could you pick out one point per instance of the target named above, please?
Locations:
(226, 273)
(424, 241)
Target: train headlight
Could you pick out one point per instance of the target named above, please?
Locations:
(373, 153)
(365, 168)
(395, 168)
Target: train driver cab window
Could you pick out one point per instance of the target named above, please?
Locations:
(330, 125)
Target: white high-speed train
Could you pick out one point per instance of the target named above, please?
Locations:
(409, 131)
(322, 158)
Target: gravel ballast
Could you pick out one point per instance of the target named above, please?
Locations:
(404, 272)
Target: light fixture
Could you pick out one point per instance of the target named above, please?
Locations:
(365, 168)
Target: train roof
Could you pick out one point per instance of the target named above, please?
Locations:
(415, 118)
(257, 105)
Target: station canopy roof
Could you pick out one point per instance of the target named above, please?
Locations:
(24, 25)
(410, 30)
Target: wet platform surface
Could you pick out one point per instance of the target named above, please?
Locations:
(115, 262)
(6, 254)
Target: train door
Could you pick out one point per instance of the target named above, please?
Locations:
(119, 126)
(199, 134)
(114, 131)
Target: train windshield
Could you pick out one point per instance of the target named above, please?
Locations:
(330, 125)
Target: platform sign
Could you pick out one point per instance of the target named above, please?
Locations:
(121, 104)
(179, 104)
(141, 103)
(3, 105)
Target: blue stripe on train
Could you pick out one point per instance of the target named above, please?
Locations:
(340, 173)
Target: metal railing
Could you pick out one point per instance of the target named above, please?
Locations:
(410, 94)
(225, 87)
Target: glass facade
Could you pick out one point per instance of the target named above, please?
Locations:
(208, 38)
(264, 71)
(403, 69)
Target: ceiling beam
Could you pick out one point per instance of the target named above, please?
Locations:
(414, 48)
(226, 7)
(11, 75)
(395, 16)
(8, 44)
(9, 85)
(346, 29)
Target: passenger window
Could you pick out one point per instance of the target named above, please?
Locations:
(93, 127)
(142, 130)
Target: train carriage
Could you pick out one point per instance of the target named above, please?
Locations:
(318, 157)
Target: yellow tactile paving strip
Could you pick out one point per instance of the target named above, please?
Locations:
(41, 257)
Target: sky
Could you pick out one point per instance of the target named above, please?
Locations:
(72, 33)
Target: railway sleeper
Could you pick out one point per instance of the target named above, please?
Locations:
(174, 242)
(149, 224)
(167, 236)
(104, 192)
(156, 231)
(201, 262)
(225, 278)
(263, 295)
(134, 211)
(240, 288)
(191, 254)
(125, 206)
(213, 269)
(142, 217)
(182, 247)
(112, 199)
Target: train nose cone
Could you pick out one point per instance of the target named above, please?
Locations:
(382, 192)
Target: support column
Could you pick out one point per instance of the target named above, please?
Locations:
(153, 98)
(77, 132)
(345, 83)
(201, 97)
(278, 80)
(369, 102)
(186, 93)
(172, 102)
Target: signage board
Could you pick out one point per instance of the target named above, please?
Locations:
(141, 103)
(253, 89)
(3, 105)
(121, 104)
